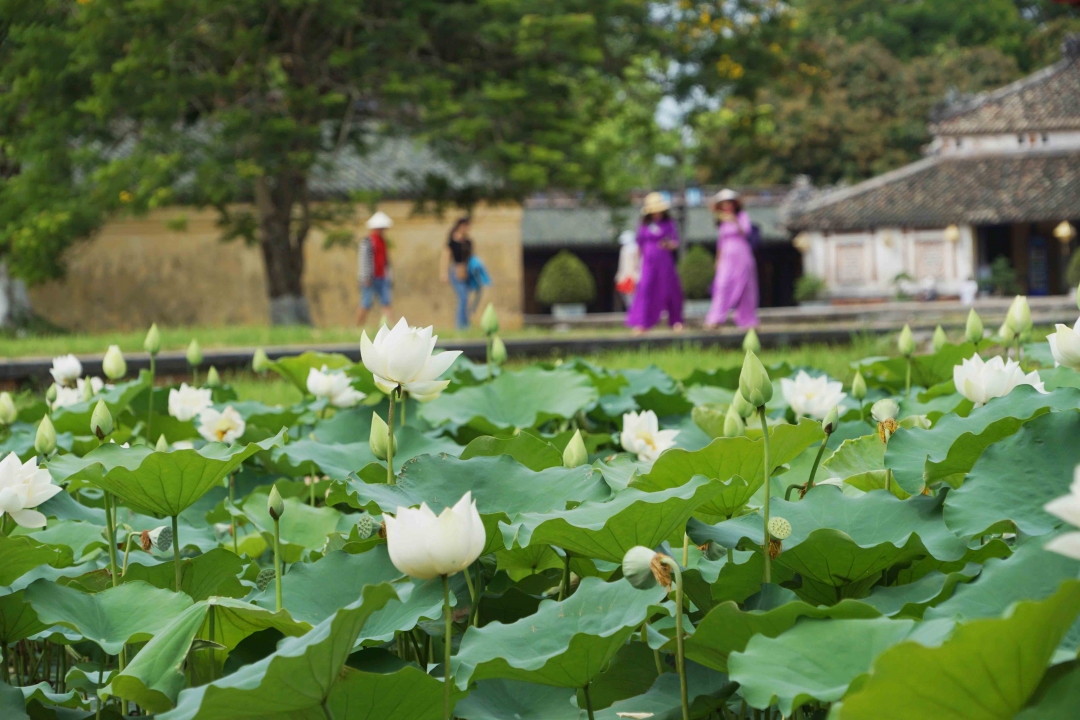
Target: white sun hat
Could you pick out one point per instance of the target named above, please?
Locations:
(379, 221)
(725, 195)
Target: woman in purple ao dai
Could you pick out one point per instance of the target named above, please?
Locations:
(735, 287)
(659, 289)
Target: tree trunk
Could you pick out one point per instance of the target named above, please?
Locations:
(282, 237)
(14, 301)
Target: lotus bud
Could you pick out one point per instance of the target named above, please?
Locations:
(213, 380)
(152, 343)
(750, 342)
(365, 526)
(779, 530)
(742, 407)
(733, 423)
(498, 350)
(858, 386)
(379, 437)
(754, 383)
(489, 321)
(906, 343)
(644, 568)
(50, 394)
(264, 578)
(87, 390)
(45, 439)
(940, 338)
(113, 364)
(1006, 333)
(885, 409)
(973, 331)
(831, 421)
(8, 413)
(101, 421)
(194, 353)
(274, 504)
(260, 362)
(575, 453)
(162, 444)
(1019, 317)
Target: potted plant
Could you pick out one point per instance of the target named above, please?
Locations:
(810, 290)
(696, 271)
(566, 285)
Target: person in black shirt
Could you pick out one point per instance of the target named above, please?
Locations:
(455, 270)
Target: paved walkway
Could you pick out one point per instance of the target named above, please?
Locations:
(780, 327)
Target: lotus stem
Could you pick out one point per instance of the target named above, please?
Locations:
(588, 701)
(447, 646)
(907, 380)
(176, 551)
(326, 710)
(472, 592)
(487, 358)
(680, 655)
(390, 440)
(110, 534)
(127, 552)
(767, 573)
(232, 517)
(564, 587)
(404, 409)
(685, 549)
(277, 563)
(817, 461)
(150, 402)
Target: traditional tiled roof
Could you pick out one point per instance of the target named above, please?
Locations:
(1045, 101)
(941, 190)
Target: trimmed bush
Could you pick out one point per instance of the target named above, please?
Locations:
(809, 287)
(696, 272)
(565, 279)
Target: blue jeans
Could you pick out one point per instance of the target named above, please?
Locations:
(461, 289)
(379, 286)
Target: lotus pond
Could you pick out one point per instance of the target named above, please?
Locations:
(550, 542)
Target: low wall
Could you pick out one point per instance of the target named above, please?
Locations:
(138, 270)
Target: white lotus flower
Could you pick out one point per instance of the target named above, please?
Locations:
(980, 381)
(812, 396)
(1067, 508)
(402, 357)
(186, 402)
(334, 386)
(641, 435)
(66, 369)
(423, 545)
(24, 486)
(1065, 345)
(225, 426)
(83, 389)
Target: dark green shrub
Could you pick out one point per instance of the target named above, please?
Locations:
(1003, 278)
(565, 279)
(696, 272)
(809, 287)
(1073, 272)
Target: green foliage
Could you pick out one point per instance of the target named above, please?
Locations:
(697, 268)
(1072, 273)
(565, 279)
(809, 287)
(1003, 280)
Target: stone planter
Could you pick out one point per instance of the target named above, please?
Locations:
(568, 311)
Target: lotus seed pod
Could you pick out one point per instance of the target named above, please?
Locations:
(365, 526)
(751, 342)
(973, 331)
(152, 343)
(101, 421)
(194, 353)
(162, 444)
(779, 528)
(260, 361)
(8, 413)
(379, 437)
(637, 567)
(45, 439)
(264, 578)
(832, 419)
(884, 409)
(161, 538)
(733, 423)
(113, 364)
(940, 338)
(754, 383)
(741, 406)
(213, 379)
(858, 386)
(489, 321)
(575, 453)
(906, 342)
(50, 394)
(498, 350)
(274, 504)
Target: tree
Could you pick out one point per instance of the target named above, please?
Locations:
(237, 106)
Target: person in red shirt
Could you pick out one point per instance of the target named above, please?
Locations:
(374, 269)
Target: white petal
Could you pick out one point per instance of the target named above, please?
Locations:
(1067, 545)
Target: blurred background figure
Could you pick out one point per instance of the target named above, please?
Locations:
(628, 272)
(374, 269)
(455, 269)
(735, 287)
(659, 289)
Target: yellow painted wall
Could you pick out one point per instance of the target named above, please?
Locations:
(138, 271)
